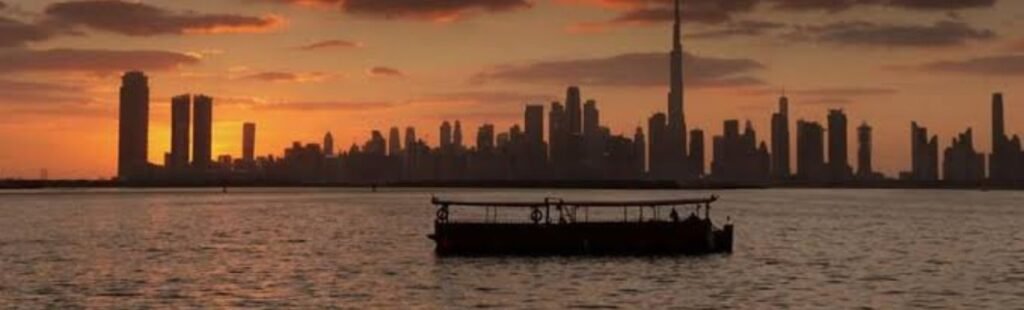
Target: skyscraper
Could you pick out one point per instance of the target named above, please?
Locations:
(249, 142)
(558, 135)
(485, 138)
(961, 163)
(640, 149)
(591, 120)
(838, 156)
(810, 151)
(697, 152)
(675, 137)
(924, 154)
(864, 168)
(181, 110)
(394, 142)
(133, 127)
(780, 141)
(446, 135)
(328, 145)
(534, 121)
(573, 107)
(457, 135)
(656, 147)
(1007, 159)
(202, 131)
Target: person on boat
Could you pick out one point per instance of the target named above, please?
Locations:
(674, 215)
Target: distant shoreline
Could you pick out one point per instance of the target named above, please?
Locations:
(539, 184)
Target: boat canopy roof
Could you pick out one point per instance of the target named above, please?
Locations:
(579, 203)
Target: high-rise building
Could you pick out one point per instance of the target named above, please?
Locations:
(328, 145)
(446, 136)
(485, 138)
(737, 158)
(181, 110)
(1007, 159)
(924, 155)
(780, 141)
(810, 151)
(675, 137)
(202, 131)
(133, 127)
(573, 107)
(534, 122)
(558, 135)
(838, 153)
(658, 167)
(640, 149)
(961, 163)
(249, 142)
(697, 152)
(864, 150)
(457, 135)
(394, 142)
(410, 138)
(591, 120)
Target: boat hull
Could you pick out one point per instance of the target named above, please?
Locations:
(647, 238)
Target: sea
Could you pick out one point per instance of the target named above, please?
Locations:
(330, 248)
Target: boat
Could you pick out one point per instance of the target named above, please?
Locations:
(564, 227)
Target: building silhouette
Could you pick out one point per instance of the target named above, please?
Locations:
(810, 155)
(865, 171)
(780, 141)
(737, 157)
(249, 143)
(657, 150)
(574, 110)
(133, 127)
(961, 163)
(838, 156)
(924, 155)
(1006, 163)
(696, 158)
(394, 142)
(181, 110)
(446, 136)
(202, 131)
(328, 144)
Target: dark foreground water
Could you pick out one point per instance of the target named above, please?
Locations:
(353, 249)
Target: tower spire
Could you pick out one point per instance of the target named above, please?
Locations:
(678, 25)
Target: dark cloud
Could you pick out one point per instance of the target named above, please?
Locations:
(940, 34)
(738, 28)
(999, 65)
(330, 44)
(91, 61)
(646, 69)
(30, 93)
(841, 5)
(139, 19)
(417, 9)
(381, 71)
(287, 77)
(16, 33)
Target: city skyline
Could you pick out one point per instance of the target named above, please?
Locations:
(73, 119)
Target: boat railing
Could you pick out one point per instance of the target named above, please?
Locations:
(569, 211)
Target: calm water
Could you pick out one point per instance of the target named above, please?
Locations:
(353, 249)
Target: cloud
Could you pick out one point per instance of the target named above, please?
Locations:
(16, 33)
(940, 34)
(489, 97)
(139, 19)
(630, 70)
(842, 5)
(381, 71)
(998, 65)
(91, 60)
(331, 44)
(827, 95)
(31, 93)
(738, 28)
(436, 10)
(287, 77)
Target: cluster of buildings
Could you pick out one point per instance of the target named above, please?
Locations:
(577, 148)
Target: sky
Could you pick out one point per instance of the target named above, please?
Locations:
(301, 68)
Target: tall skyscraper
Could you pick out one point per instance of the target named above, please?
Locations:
(838, 152)
(202, 131)
(924, 154)
(697, 152)
(573, 107)
(534, 121)
(181, 110)
(675, 138)
(810, 151)
(864, 168)
(457, 135)
(328, 144)
(961, 163)
(485, 138)
(133, 127)
(249, 142)
(591, 120)
(780, 141)
(394, 142)
(410, 138)
(446, 136)
(640, 149)
(658, 166)
(558, 135)
(1007, 159)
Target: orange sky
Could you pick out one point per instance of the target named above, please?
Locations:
(300, 68)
